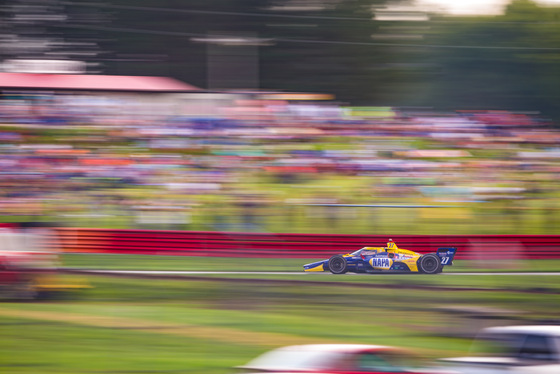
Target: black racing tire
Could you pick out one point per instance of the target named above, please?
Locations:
(338, 264)
(429, 264)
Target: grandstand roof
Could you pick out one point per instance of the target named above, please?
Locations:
(92, 82)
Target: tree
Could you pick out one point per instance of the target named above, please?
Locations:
(42, 29)
(312, 50)
(503, 62)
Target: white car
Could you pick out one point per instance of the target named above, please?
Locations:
(512, 350)
(337, 359)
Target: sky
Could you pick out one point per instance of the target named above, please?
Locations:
(467, 7)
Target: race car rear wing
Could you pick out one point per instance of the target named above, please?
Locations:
(446, 255)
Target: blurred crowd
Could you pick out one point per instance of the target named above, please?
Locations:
(274, 165)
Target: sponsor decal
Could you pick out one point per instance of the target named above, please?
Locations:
(384, 263)
(403, 257)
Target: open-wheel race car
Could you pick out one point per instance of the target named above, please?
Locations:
(389, 258)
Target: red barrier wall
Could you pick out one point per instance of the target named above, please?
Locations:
(229, 244)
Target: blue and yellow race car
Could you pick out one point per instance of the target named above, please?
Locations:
(389, 258)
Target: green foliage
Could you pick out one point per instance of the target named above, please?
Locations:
(506, 62)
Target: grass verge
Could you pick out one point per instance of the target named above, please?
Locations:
(182, 326)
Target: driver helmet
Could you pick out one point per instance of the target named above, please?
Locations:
(389, 242)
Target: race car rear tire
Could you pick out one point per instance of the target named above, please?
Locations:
(338, 264)
(429, 264)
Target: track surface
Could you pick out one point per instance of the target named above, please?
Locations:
(170, 272)
(244, 278)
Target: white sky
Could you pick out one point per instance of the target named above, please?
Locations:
(473, 6)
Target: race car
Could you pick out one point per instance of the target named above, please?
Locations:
(29, 264)
(389, 258)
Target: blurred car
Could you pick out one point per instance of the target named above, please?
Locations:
(28, 268)
(389, 258)
(512, 349)
(337, 359)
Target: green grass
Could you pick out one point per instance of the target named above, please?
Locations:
(48, 347)
(267, 314)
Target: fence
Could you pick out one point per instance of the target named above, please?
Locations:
(234, 244)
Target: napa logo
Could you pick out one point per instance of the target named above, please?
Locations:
(383, 263)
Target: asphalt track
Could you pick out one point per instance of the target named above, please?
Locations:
(179, 273)
(247, 278)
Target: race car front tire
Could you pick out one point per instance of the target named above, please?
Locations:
(429, 264)
(338, 264)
